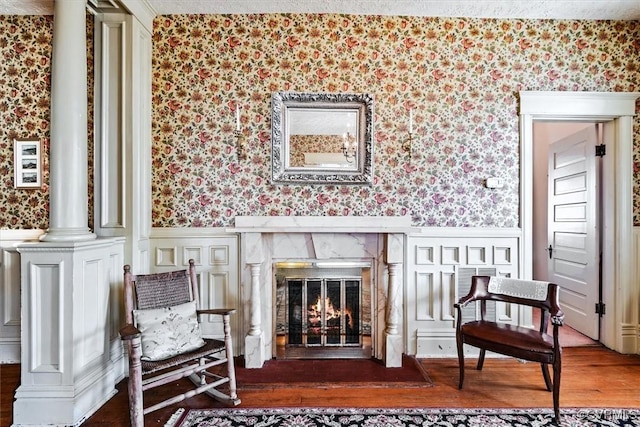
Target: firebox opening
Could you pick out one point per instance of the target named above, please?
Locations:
(323, 310)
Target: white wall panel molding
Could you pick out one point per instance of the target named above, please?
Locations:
(69, 365)
(123, 132)
(10, 306)
(634, 345)
(138, 154)
(438, 260)
(451, 253)
(10, 237)
(423, 291)
(447, 296)
(434, 259)
(478, 254)
(467, 232)
(10, 291)
(424, 255)
(116, 290)
(142, 11)
(194, 253)
(167, 256)
(629, 339)
(111, 72)
(178, 232)
(215, 253)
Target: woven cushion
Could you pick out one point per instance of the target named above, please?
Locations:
(168, 331)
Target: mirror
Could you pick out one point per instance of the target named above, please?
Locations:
(322, 138)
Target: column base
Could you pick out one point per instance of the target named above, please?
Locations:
(393, 351)
(68, 235)
(61, 405)
(254, 351)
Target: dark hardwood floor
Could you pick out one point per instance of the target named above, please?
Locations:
(592, 376)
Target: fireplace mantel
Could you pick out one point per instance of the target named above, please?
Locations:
(379, 239)
(323, 224)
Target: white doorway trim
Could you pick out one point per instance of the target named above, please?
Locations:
(619, 330)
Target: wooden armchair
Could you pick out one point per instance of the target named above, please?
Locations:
(165, 344)
(516, 341)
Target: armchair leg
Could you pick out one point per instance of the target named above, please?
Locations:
(545, 374)
(557, 367)
(460, 360)
(481, 359)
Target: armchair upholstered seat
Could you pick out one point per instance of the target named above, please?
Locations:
(164, 340)
(534, 345)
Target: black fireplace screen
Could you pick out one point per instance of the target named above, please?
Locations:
(324, 312)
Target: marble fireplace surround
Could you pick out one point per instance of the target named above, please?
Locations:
(266, 240)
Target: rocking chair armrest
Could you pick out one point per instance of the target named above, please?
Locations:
(218, 311)
(129, 332)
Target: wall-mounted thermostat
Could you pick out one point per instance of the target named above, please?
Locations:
(494, 182)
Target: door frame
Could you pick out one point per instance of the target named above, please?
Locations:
(619, 328)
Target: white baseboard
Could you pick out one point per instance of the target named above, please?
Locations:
(10, 350)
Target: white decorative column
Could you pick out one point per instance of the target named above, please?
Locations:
(254, 342)
(255, 328)
(71, 356)
(68, 198)
(394, 255)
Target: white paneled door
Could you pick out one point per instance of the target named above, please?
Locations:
(574, 229)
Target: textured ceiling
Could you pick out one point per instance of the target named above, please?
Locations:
(561, 9)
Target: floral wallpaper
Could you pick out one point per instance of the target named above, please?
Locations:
(25, 47)
(25, 77)
(460, 77)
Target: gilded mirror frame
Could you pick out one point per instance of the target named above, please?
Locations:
(288, 107)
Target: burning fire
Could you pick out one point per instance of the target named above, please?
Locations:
(315, 312)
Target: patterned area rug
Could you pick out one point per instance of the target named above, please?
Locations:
(372, 417)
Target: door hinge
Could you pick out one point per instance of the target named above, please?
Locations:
(601, 150)
(600, 308)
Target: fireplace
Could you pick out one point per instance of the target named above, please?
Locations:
(367, 254)
(323, 310)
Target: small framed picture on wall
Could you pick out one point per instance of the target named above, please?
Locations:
(27, 167)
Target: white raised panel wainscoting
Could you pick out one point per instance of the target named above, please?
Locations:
(440, 263)
(631, 330)
(10, 289)
(215, 253)
(71, 354)
(421, 270)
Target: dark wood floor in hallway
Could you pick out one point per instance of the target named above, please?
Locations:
(592, 376)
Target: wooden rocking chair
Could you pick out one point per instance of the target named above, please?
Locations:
(165, 344)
